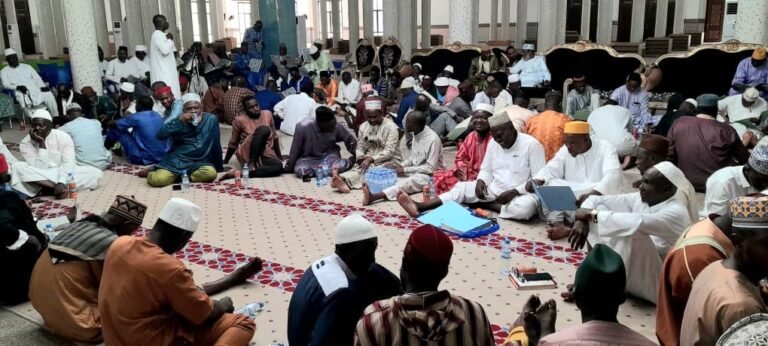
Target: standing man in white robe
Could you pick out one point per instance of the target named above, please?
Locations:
(49, 156)
(30, 89)
(162, 62)
(588, 166)
(641, 226)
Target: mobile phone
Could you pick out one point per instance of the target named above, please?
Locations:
(537, 277)
(176, 187)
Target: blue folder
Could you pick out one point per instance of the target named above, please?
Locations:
(454, 218)
(556, 198)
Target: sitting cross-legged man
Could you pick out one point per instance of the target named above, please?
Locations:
(196, 146)
(314, 142)
(255, 142)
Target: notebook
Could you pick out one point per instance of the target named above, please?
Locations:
(454, 218)
(556, 198)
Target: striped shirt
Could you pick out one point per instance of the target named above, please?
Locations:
(406, 320)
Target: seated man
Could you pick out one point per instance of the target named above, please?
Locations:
(314, 143)
(599, 292)
(140, 61)
(751, 72)
(634, 98)
(701, 145)
(437, 316)
(509, 162)
(532, 69)
(86, 136)
(213, 100)
(743, 112)
(320, 62)
(470, 155)
(641, 227)
(407, 102)
(494, 95)
(589, 167)
(254, 140)
(173, 108)
(148, 296)
(65, 97)
(613, 123)
(233, 99)
(330, 86)
(651, 150)
(359, 118)
(295, 108)
(334, 290)
(379, 144)
(20, 242)
(102, 107)
(448, 96)
(122, 70)
(64, 287)
(426, 157)
(729, 290)
(484, 65)
(127, 99)
(196, 146)
(296, 81)
(736, 181)
(268, 97)
(349, 90)
(137, 134)
(29, 88)
(579, 99)
(547, 126)
(706, 241)
(49, 157)
(519, 113)
(448, 73)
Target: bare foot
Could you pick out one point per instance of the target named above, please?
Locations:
(144, 172)
(366, 195)
(408, 204)
(230, 174)
(530, 306)
(568, 295)
(558, 232)
(339, 184)
(547, 314)
(243, 273)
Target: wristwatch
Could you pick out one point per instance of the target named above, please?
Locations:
(594, 215)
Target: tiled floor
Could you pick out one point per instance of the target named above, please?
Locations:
(290, 224)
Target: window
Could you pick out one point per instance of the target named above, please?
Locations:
(196, 24)
(378, 18)
(243, 18)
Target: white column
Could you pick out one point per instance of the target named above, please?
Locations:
(220, 20)
(353, 6)
(214, 19)
(323, 22)
(391, 19)
(11, 20)
(426, 24)
(185, 13)
(149, 8)
(505, 7)
(586, 17)
(115, 15)
(406, 26)
(202, 21)
(521, 23)
(254, 11)
(751, 26)
(638, 21)
(100, 22)
(604, 21)
(368, 20)
(168, 9)
(678, 25)
(462, 21)
(336, 22)
(413, 32)
(47, 30)
(547, 26)
(661, 18)
(562, 8)
(133, 28)
(493, 25)
(61, 28)
(81, 36)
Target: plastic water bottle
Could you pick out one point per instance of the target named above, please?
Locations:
(71, 186)
(319, 176)
(49, 231)
(238, 179)
(432, 191)
(506, 256)
(245, 175)
(252, 310)
(326, 168)
(184, 182)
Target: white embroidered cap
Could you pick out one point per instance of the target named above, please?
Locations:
(181, 213)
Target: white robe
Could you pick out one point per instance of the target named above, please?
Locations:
(117, 70)
(27, 76)
(349, 93)
(142, 66)
(612, 123)
(293, 109)
(631, 228)
(162, 62)
(597, 169)
(53, 163)
(426, 157)
(532, 72)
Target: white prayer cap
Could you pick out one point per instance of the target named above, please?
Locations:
(499, 118)
(372, 105)
(181, 213)
(407, 83)
(354, 228)
(529, 46)
(484, 107)
(313, 49)
(751, 94)
(190, 97)
(448, 68)
(685, 192)
(513, 78)
(693, 102)
(10, 51)
(418, 65)
(127, 87)
(42, 114)
(140, 48)
(442, 82)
